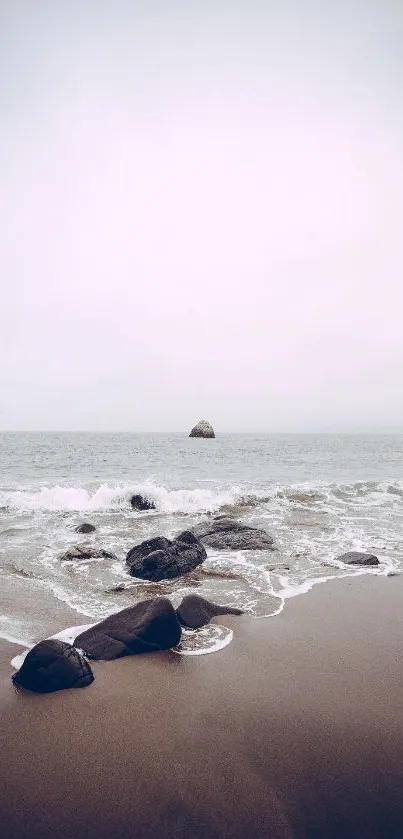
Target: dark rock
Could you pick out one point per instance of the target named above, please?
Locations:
(358, 558)
(225, 533)
(78, 553)
(53, 665)
(202, 429)
(162, 559)
(195, 611)
(140, 503)
(147, 627)
(85, 528)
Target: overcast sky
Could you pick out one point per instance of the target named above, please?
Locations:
(201, 214)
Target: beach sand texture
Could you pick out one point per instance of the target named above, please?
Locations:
(294, 730)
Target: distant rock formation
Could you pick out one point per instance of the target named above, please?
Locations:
(86, 553)
(358, 558)
(85, 527)
(225, 533)
(140, 503)
(163, 559)
(202, 429)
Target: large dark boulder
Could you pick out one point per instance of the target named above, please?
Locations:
(53, 665)
(140, 503)
(85, 527)
(225, 533)
(195, 612)
(163, 559)
(202, 429)
(77, 553)
(147, 627)
(358, 558)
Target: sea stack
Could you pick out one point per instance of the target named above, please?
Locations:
(202, 429)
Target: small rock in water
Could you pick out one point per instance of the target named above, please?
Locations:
(202, 429)
(393, 574)
(140, 503)
(85, 528)
(358, 558)
(86, 553)
(195, 612)
(225, 533)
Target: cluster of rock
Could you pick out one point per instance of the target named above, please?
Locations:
(148, 626)
(164, 559)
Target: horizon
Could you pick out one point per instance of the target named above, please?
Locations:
(391, 430)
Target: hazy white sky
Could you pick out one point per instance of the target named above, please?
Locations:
(201, 214)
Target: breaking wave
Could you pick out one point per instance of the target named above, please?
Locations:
(117, 497)
(110, 497)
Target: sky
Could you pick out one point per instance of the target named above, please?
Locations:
(201, 215)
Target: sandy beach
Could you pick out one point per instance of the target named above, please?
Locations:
(294, 730)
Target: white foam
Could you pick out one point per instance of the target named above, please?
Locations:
(12, 639)
(209, 639)
(295, 589)
(109, 497)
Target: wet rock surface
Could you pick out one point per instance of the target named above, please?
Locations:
(147, 627)
(53, 665)
(163, 559)
(87, 552)
(140, 503)
(226, 533)
(195, 611)
(85, 527)
(358, 558)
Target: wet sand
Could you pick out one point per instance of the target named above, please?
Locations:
(294, 730)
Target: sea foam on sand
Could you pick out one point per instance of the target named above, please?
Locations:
(208, 639)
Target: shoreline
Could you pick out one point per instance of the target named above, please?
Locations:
(299, 589)
(293, 730)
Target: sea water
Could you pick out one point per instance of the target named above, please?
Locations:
(318, 495)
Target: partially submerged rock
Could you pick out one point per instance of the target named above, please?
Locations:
(225, 533)
(358, 558)
(77, 553)
(163, 559)
(53, 665)
(140, 503)
(147, 627)
(195, 612)
(202, 429)
(85, 527)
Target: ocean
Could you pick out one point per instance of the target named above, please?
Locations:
(318, 495)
